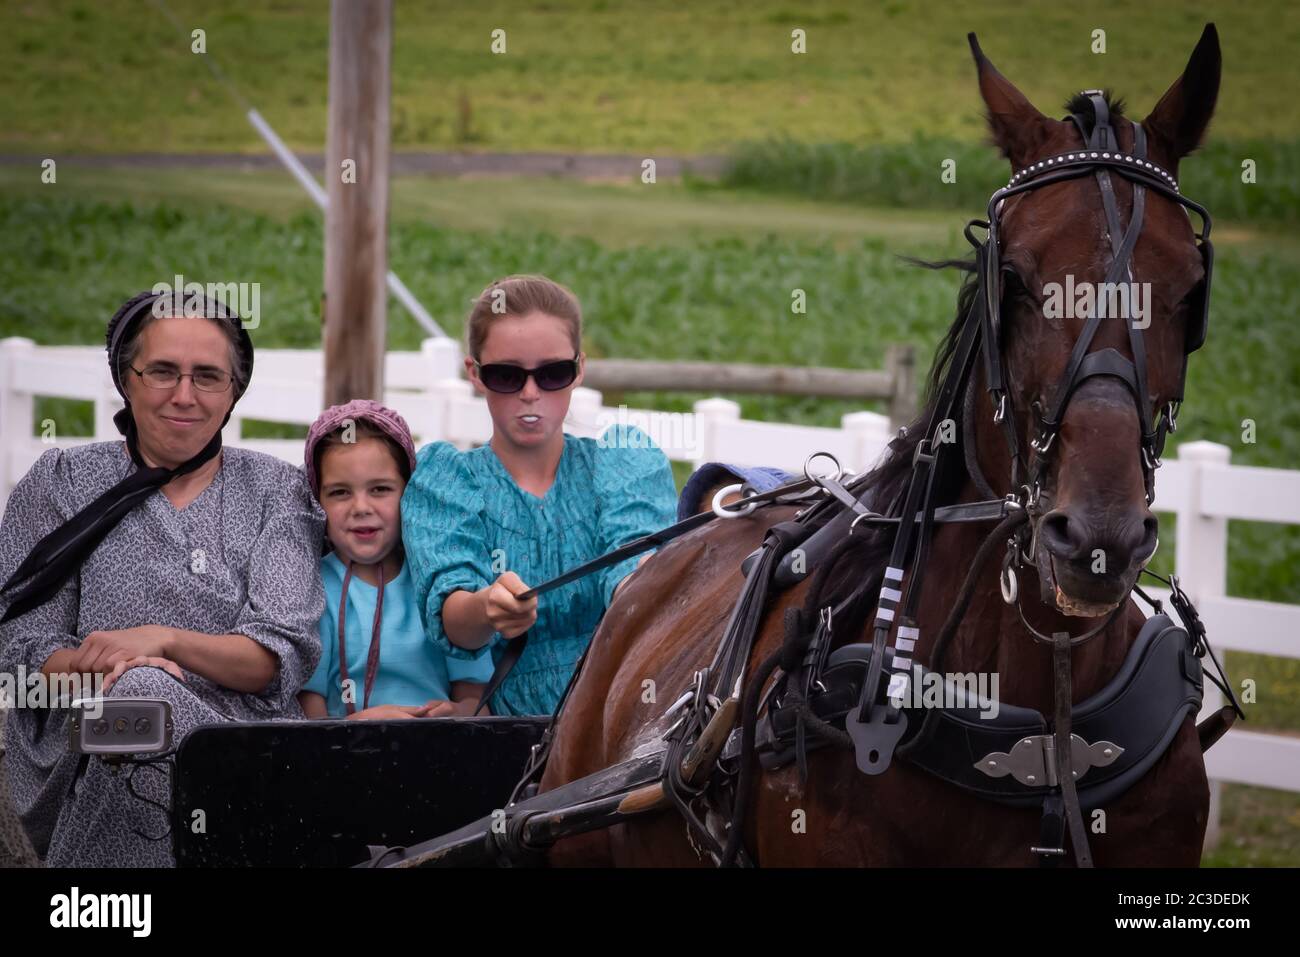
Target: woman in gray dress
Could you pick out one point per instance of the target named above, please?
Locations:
(171, 567)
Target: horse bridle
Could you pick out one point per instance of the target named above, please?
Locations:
(1100, 155)
(876, 727)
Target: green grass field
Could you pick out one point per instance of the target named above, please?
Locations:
(907, 175)
(616, 216)
(598, 75)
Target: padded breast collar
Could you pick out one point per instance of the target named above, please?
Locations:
(1137, 714)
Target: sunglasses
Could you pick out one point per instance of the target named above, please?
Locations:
(551, 377)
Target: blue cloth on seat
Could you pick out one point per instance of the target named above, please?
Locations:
(760, 478)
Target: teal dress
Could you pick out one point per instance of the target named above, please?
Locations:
(465, 522)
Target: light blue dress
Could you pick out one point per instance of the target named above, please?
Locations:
(465, 522)
(412, 670)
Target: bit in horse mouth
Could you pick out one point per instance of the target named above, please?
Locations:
(1081, 609)
(1068, 604)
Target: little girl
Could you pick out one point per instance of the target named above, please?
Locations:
(483, 526)
(376, 661)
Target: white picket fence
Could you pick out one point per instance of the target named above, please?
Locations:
(1200, 487)
(427, 388)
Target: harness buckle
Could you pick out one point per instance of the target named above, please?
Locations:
(864, 516)
(1001, 412)
(1020, 551)
(1043, 442)
(922, 453)
(1031, 495)
(1187, 612)
(1150, 458)
(1049, 851)
(1172, 408)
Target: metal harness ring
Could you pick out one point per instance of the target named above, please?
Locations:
(1010, 584)
(837, 475)
(724, 512)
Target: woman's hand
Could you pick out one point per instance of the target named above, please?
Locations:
(386, 711)
(101, 651)
(143, 661)
(506, 613)
(440, 709)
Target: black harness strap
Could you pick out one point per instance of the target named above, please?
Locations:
(1061, 677)
(1051, 831)
(1082, 366)
(876, 728)
(509, 658)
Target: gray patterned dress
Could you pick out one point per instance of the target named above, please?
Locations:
(241, 558)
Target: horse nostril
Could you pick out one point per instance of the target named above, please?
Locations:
(1074, 539)
(1057, 533)
(1150, 538)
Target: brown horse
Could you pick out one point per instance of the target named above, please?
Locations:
(667, 621)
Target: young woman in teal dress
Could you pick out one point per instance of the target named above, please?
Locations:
(483, 526)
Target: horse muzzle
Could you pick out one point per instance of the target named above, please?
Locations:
(1086, 568)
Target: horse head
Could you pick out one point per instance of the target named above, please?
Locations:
(1084, 425)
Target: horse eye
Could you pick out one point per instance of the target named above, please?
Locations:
(1012, 285)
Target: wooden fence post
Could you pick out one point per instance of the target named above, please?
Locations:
(900, 363)
(356, 219)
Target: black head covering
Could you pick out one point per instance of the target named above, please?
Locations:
(57, 556)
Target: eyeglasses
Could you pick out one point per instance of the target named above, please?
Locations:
(551, 377)
(205, 380)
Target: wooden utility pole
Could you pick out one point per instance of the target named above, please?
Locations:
(356, 221)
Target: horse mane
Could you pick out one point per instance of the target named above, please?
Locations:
(859, 562)
(1083, 106)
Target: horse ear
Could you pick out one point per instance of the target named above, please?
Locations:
(1179, 120)
(1019, 130)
